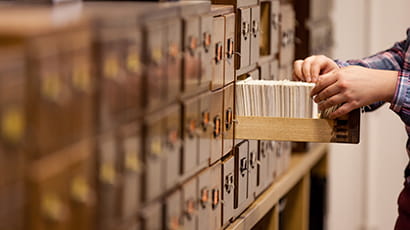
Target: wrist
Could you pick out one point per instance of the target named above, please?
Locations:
(388, 84)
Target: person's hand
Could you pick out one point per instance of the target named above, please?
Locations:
(353, 87)
(309, 69)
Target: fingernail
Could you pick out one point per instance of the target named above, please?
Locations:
(308, 79)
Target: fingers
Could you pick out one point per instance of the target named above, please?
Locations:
(323, 82)
(309, 69)
(297, 68)
(306, 68)
(332, 101)
(315, 71)
(327, 93)
(342, 110)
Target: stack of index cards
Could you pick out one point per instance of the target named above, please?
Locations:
(267, 98)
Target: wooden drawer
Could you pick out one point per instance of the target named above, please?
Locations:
(108, 183)
(216, 196)
(228, 117)
(155, 71)
(254, 169)
(230, 47)
(207, 37)
(191, 121)
(82, 194)
(255, 35)
(190, 204)
(112, 77)
(204, 200)
(151, 217)
(243, 37)
(192, 59)
(13, 115)
(172, 147)
(76, 72)
(174, 59)
(133, 93)
(130, 154)
(218, 53)
(287, 35)
(241, 176)
(154, 155)
(46, 94)
(265, 174)
(217, 100)
(228, 187)
(50, 201)
(275, 26)
(206, 129)
(173, 212)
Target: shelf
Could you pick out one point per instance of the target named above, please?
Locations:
(301, 164)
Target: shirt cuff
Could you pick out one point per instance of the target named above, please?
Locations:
(341, 64)
(401, 96)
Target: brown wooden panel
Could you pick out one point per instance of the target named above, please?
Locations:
(191, 121)
(241, 176)
(206, 129)
(230, 44)
(152, 217)
(173, 212)
(217, 100)
(190, 204)
(207, 37)
(218, 53)
(174, 60)
(287, 35)
(243, 38)
(255, 34)
(228, 185)
(172, 148)
(342, 130)
(192, 59)
(204, 197)
(155, 71)
(130, 154)
(266, 28)
(275, 27)
(216, 196)
(154, 155)
(228, 117)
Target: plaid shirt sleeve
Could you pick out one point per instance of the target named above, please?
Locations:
(396, 58)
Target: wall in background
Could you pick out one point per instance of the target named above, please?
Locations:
(365, 179)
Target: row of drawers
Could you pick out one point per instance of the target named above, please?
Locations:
(72, 79)
(61, 191)
(220, 193)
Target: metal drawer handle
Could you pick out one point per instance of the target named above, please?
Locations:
(207, 41)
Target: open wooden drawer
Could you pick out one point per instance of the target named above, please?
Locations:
(342, 130)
